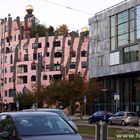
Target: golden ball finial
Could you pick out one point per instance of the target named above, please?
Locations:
(84, 29)
(29, 8)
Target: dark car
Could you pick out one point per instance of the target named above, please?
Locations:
(99, 116)
(35, 126)
(61, 113)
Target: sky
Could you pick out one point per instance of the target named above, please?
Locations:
(74, 13)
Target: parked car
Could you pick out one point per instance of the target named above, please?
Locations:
(35, 126)
(99, 116)
(124, 118)
(61, 113)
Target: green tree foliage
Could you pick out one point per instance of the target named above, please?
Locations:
(77, 87)
(54, 90)
(51, 31)
(66, 91)
(26, 100)
(40, 95)
(93, 89)
(75, 33)
(38, 28)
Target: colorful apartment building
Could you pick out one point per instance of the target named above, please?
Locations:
(27, 62)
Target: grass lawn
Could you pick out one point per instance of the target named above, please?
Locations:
(116, 133)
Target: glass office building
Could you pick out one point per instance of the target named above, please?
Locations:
(115, 55)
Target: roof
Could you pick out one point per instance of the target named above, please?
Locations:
(20, 114)
(43, 109)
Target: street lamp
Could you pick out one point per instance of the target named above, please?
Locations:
(117, 98)
(85, 102)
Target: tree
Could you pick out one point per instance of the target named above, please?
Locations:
(25, 100)
(51, 31)
(66, 92)
(75, 33)
(40, 94)
(93, 89)
(38, 28)
(62, 29)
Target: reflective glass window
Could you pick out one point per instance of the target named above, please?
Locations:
(122, 39)
(123, 17)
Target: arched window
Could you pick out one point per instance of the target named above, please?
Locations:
(33, 78)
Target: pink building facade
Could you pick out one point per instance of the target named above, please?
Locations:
(27, 61)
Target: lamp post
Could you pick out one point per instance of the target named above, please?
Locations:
(117, 98)
(85, 102)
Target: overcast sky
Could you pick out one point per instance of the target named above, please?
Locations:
(73, 13)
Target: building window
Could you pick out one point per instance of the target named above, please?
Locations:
(34, 56)
(112, 31)
(25, 47)
(131, 54)
(56, 44)
(72, 65)
(83, 53)
(58, 54)
(138, 22)
(69, 42)
(12, 92)
(5, 80)
(47, 66)
(7, 50)
(73, 53)
(25, 57)
(33, 78)
(39, 45)
(47, 44)
(39, 55)
(5, 59)
(84, 64)
(34, 45)
(22, 69)
(33, 66)
(22, 80)
(6, 94)
(11, 68)
(47, 54)
(122, 27)
(57, 67)
(45, 77)
(10, 80)
(18, 37)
